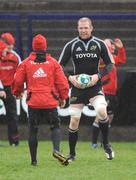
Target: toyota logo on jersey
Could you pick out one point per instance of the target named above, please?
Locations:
(88, 55)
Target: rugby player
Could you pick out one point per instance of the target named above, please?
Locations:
(86, 51)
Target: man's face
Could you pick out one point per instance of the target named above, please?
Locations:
(5, 51)
(113, 48)
(10, 47)
(84, 29)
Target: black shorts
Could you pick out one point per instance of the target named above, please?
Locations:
(46, 115)
(82, 96)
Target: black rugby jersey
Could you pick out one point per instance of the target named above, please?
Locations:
(85, 55)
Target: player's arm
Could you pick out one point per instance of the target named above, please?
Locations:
(120, 57)
(65, 58)
(107, 59)
(108, 68)
(61, 84)
(93, 80)
(109, 63)
(18, 82)
(2, 92)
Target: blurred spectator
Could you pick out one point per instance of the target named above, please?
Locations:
(3, 47)
(8, 64)
(110, 83)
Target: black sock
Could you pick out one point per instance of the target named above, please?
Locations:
(56, 138)
(73, 137)
(104, 127)
(33, 143)
(95, 133)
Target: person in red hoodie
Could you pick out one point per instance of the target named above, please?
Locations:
(8, 64)
(110, 84)
(3, 49)
(47, 87)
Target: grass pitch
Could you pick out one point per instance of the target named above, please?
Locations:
(90, 164)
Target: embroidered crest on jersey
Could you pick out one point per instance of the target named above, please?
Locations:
(79, 49)
(93, 48)
(39, 73)
(73, 98)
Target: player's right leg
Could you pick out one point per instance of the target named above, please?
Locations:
(75, 112)
(54, 121)
(12, 118)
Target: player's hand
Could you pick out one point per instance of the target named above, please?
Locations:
(3, 94)
(62, 103)
(118, 43)
(94, 79)
(74, 81)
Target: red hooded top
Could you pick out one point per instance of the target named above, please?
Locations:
(8, 65)
(45, 81)
(3, 45)
(120, 58)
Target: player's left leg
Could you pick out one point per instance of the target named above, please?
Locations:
(12, 118)
(100, 106)
(54, 122)
(111, 108)
(95, 133)
(32, 137)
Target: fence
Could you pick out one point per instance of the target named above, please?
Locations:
(11, 23)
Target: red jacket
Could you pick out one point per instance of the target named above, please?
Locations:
(120, 58)
(43, 80)
(111, 86)
(3, 45)
(8, 65)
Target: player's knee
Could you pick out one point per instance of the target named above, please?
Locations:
(55, 124)
(101, 113)
(74, 122)
(54, 120)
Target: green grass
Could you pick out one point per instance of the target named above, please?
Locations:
(90, 164)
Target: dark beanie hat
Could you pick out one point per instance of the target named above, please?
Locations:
(39, 43)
